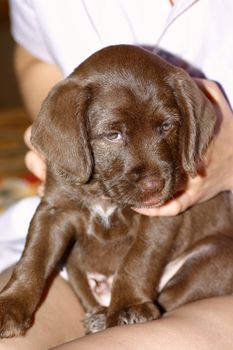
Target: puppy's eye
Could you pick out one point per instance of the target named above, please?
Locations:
(165, 126)
(114, 137)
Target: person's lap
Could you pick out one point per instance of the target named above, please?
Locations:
(201, 325)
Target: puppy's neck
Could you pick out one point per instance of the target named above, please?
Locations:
(95, 201)
(103, 210)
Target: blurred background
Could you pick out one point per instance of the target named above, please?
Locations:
(15, 181)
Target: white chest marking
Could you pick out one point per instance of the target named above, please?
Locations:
(103, 213)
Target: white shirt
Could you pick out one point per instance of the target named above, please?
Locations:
(66, 32)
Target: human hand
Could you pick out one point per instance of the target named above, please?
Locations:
(218, 161)
(35, 162)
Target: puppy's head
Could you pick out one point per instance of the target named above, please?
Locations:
(127, 121)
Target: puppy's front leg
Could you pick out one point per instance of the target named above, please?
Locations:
(134, 288)
(49, 234)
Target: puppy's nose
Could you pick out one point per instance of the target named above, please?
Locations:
(152, 183)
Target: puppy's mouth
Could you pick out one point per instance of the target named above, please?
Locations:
(151, 203)
(134, 198)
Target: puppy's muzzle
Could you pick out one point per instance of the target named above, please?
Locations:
(154, 184)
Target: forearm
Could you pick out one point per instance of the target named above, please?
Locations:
(35, 79)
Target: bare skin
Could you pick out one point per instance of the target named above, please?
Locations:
(206, 324)
(35, 79)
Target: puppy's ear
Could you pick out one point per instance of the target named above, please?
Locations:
(60, 131)
(198, 121)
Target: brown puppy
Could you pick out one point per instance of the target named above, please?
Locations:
(123, 130)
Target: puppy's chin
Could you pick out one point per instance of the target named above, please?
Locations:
(123, 197)
(152, 203)
(133, 202)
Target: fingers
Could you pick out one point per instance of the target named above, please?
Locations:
(174, 207)
(27, 138)
(212, 90)
(34, 161)
(36, 165)
(218, 161)
(192, 195)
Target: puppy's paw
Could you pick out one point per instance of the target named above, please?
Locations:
(14, 317)
(95, 321)
(134, 314)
